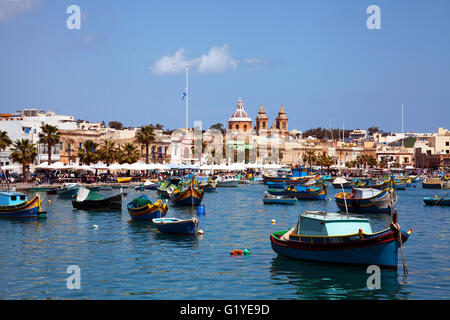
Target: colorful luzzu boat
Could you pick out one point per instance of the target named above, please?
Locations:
(189, 195)
(302, 192)
(366, 201)
(337, 238)
(16, 205)
(142, 208)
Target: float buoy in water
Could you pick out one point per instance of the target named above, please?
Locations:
(200, 232)
(236, 253)
(274, 221)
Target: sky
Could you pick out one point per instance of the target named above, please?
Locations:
(316, 57)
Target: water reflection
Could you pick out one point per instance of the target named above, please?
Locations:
(313, 280)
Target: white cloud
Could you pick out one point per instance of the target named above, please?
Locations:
(171, 64)
(9, 9)
(217, 60)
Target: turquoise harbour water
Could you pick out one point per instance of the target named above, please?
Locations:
(131, 260)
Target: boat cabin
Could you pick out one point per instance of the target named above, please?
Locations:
(12, 198)
(364, 193)
(322, 224)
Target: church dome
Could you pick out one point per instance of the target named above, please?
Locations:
(240, 114)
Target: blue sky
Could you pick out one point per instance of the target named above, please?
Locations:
(317, 58)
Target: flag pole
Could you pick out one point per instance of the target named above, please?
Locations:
(187, 95)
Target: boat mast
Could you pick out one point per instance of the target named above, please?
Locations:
(402, 128)
(187, 95)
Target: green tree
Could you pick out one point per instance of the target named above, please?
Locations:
(116, 125)
(24, 152)
(128, 154)
(49, 135)
(145, 136)
(310, 158)
(325, 161)
(5, 141)
(88, 154)
(108, 152)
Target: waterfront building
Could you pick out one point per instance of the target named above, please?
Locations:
(27, 124)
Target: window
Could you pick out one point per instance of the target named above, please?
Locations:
(447, 143)
(245, 127)
(264, 124)
(237, 127)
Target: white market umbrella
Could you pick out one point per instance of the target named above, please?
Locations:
(341, 181)
(237, 167)
(43, 165)
(115, 166)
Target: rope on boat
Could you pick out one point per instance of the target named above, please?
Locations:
(397, 228)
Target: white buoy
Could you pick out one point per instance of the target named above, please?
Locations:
(200, 232)
(95, 226)
(49, 201)
(273, 221)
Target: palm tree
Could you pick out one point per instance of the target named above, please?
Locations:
(128, 154)
(24, 152)
(310, 158)
(145, 136)
(88, 154)
(49, 135)
(5, 141)
(108, 152)
(325, 161)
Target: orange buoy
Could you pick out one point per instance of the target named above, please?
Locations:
(236, 253)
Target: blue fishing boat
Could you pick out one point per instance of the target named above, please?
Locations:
(399, 185)
(271, 199)
(174, 225)
(346, 185)
(68, 190)
(276, 184)
(437, 201)
(147, 185)
(302, 192)
(188, 195)
(337, 238)
(432, 183)
(142, 208)
(366, 200)
(16, 205)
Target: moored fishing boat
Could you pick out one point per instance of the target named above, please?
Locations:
(374, 185)
(89, 200)
(366, 200)
(68, 190)
(271, 199)
(437, 201)
(432, 183)
(346, 185)
(174, 225)
(228, 180)
(302, 192)
(124, 179)
(276, 185)
(142, 208)
(147, 185)
(337, 238)
(16, 205)
(165, 190)
(188, 195)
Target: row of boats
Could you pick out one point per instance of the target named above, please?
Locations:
(338, 237)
